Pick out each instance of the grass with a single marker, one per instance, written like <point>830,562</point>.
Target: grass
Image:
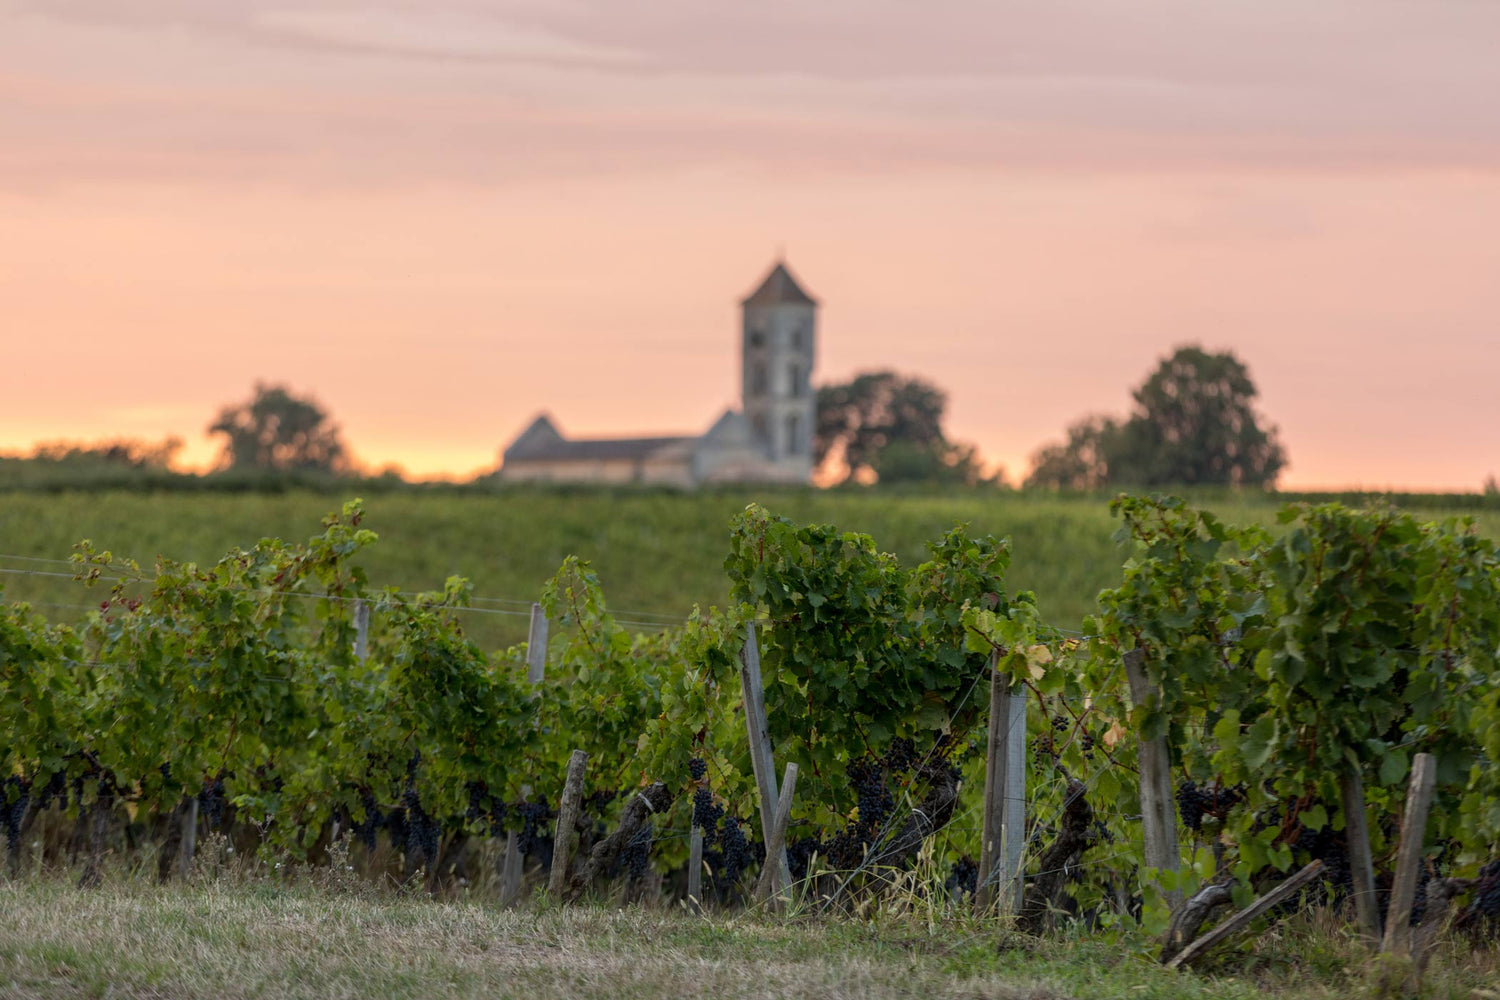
<point>656,552</point>
<point>271,936</point>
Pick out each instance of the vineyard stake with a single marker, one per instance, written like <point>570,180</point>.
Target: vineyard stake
<point>189,836</point>
<point>695,870</point>
<point>361,629</point>
<point>536,646</point>
<point>510,870</point>
<point>1409,854</point>
<point>761,760</point>
<point>776,847</point>
<point>1361,862</point>
<point>1004,818</point>
<point>567,819</point>
<point>1158,807</point>
<point>513,868</point>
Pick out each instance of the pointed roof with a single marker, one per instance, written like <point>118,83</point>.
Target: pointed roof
<point>779,289</point>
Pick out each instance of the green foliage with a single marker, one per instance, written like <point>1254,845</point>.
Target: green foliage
<point>1194,424</point>
<point>280,432</point>
<point>880,425</point>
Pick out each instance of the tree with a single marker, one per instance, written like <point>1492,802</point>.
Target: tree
<point>860,419</point>
<point>280,432</point>
<point>1194,424</point>
<point>1081,462</point>
<point>128,452</point>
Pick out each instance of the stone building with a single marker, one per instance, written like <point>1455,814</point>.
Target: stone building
<point>769,439</point>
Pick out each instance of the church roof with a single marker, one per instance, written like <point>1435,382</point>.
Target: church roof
<point>543,442</point>
<point>779,289</point>
<point>597,449</point>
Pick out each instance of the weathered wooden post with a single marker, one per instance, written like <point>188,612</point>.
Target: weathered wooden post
<point>361,629</point>
<point>1158,806</point>
<point>189,836</point>
<point>536,646</point>
<point>512,870</point>
<point>567,819</point>
<point>1361,862</point>
<point>761,760</point>
<point>773,883</point>
<point>1398,936</point>
<point>695,869</point>
<point>1003,837</point>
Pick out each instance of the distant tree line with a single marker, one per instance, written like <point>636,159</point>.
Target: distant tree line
<point>1193,423</point>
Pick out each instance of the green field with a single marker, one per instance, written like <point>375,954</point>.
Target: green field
<point>657,553</point>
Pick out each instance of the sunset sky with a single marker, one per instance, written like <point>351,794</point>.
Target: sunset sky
<point>440,217</point>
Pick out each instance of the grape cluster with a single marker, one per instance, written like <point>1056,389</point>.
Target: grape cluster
<point>211,800</point>
<point>1195,802</point>
<point>697,768</point>
<point>636,855</point>
<point>423,832</point>
<point>13,801</point>
<point>874,798</point>
<point>799,855</point>
<point>484,808</point>
<point>964,878</point>
<point>366,828</point>
<point>1487,891</point>
<point>534,816</point>
<point>734,851</point>
<point>706,812</point>
<point>56,789</point>
<point>901,756</point>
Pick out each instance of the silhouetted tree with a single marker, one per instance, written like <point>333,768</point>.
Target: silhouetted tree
<point>127,452</point>
<point>279,432</point>
<point>1081,462</point>
<point>1194,424</point>
<point>888,427</point>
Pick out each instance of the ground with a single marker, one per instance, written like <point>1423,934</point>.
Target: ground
<point>269,937</point>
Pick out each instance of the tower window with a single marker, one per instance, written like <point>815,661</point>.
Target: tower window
<point>794,434</point>
<point>757,337</point>
<point>797,339</point>
<point>795,374</point>
<point>758,378</point>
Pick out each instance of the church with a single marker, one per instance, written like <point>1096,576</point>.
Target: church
<point>768,440</point>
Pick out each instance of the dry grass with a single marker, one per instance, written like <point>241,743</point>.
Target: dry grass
<point>262,935</point>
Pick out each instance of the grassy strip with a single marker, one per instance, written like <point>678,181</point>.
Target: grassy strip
<point>263,936</point>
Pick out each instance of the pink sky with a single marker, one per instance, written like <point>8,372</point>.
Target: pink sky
<point>442,216</point>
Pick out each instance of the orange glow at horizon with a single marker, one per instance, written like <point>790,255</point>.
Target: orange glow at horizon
<point>440,222</point>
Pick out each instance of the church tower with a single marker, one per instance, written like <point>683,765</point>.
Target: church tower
<point>778,337</point>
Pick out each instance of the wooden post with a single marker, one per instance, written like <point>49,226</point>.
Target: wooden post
<point>1003,837</point>
<point>536,646</point>
<point>361,629</point>
<point>510,870</point>
<point>695,869</point>
<point>761,760</point>
<point>189,836</point>
<point>513,870</point>
<point>1158,806</point>
<point>1409,854</point>
<point>771,877</point>
<point>567,819</point>
<point>1361,863</point>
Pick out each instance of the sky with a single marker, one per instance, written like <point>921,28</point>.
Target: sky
<point>441,217</point>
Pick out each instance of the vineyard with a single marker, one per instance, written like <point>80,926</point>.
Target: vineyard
<point>1251,721</point>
